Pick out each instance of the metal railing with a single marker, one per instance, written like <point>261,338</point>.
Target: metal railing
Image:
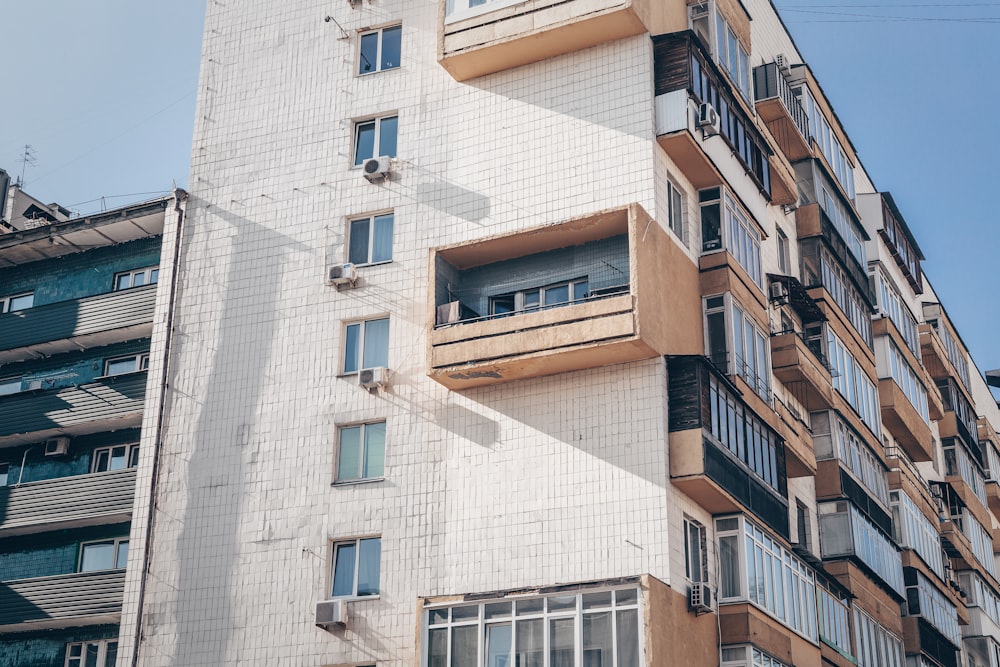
<point>770,83</point>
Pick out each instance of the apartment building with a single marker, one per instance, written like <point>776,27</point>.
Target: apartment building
<point>82,302</point>
<point>553,333</point>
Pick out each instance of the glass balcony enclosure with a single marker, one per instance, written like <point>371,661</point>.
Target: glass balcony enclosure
<point>844,531</point>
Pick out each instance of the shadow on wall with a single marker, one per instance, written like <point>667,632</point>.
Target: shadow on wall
<point>224,435</point>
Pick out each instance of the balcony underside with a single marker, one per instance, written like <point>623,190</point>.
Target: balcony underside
<point>685,151</point>
<point>904,422</point>
<point>62,601</point>
<point>783,129</point>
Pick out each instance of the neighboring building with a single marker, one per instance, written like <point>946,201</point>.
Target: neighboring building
<point>82,310</point>
<point>630,364</point>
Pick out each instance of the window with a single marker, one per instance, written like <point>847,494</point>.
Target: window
<point>741,336</point>
<point>926,601</point>
<point>914,530</point>
<point>103,653</point>
<point>137,278</point>
<point>103,555</point>
<point>695,556</point>
<point>844,531</point>
<point>118,457</point>
<point>459,9</point>
<point>834,619</point>
<point>724,224</point>
<point>10,386</point>
<point>379,50</point>
<point>559,294</point>
<point>803,526</point>
<point>601,627</point>
<point>366,345</point>
<point>732,55</point>
<point>8,304</point>
<point>356,566</point>
<point>370,239</point>
<point>747,656</point>
<point>876,646</point>
<point>784,258</point>
<point>361,452</point>
<point>4,472</point>
<point>852,382</point>
<point>374,138</point>
<point>834,439</point>
<point>827,140</point>
<point>675,210</point>
<point>958,462</point>
<point>130,364</point>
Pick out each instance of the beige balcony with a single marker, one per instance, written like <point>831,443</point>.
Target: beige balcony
<point>801,371</point>
<point>629,292</point>
<point>780,109</point>
<point>746,624</point>
<point>483,40</point>
<point>904,422</point>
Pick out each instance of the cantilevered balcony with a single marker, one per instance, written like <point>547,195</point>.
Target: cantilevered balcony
<point>70,325</point>
<point>781,110</point>
<point>104,405</point>
<point>802,368</point>
<point>66,600</point>
<point>501,34</point>
<point>67,502</point>
<point>904,422</point>
<point>603,289</point>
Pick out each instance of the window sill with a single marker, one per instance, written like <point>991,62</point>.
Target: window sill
<point>368,264</point>
<point>356,482</point>
<point>361,75</point>
<point>355,598</point>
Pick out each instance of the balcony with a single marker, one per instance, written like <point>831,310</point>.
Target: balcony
<point>78,323</point>
<point>802,370</point>
<point>478,41</point>
<point>709,461</point>
<point>884,327</point>
<point>108,404</point>
<point>744,623</point>
<point>904,422</point>
<point>813,222</point>
<point>620,287</point>
<point>779,107</point>
<point>62,601</point>
<point>68,502</point>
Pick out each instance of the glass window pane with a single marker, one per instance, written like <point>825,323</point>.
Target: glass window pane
<point>562,603</point>
<point>554,295</point>
<point>133,459</point>
<point>497,610</point>
<point>500,305</point>
<point>387,136</point>
<point>358,253</point>
<point>465,613</point>
<point>533,606</point>
<point>630,596</point>
<point>597,600</point>
<point>561,640</point>
<point>119,366</point>
<point>343,570</point>
<point>498,645</point>
<point>369,566</point>
<point>351,348</point>
<point>101,464</point>
<point>349,459</point>
<point>90,657</point>
<point>100,556</point>
<point>369,53</point>
<point>382,240</point>
<point>117,458</point>
<point>123,281</point>
<point>464,646</point>
<point>376,349</point>
<point>598,645</point>
<point>364,142</point>
<point>374,450</point>
<point>21,302</point>
<point>139,279</point>
<point>391,46</point>
<point>530,642</point>
<point>628,638</point>
<point>532,299</point>
<point>437,654</point>
<point>122,558</point>
<point>154,277</point>
<point>111,654</point>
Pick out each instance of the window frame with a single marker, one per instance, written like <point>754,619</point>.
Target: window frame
<point>371,218</point>
<point>6,301</point>
<point>461,9</point>
<point>676,209</point>
<point>359,362</point>
<point>377,142</point>
<point>572,285</point>
<point>141,360</point>
<point>19,380</point>
<point>380,31</point>
<point>363,441</point>
<point>102,652</point>
<point>147,272</point>
<point>131,451</point>
<point>116,543</point>
<point>736,350</point>
<point>692,528</point>
<point>4,474</point>
<point>335,545</point>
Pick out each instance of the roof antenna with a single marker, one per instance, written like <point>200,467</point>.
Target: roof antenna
<point>27,159</point>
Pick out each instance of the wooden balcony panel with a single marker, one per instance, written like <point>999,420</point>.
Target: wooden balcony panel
<point>62,601</point>
<point>805,376</point>
<point>904,422</point>
<point>675,630</point>
<point>746,624</point>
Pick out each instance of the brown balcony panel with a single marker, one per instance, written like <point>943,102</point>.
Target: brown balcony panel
<point>801,372</point>
<point>779,122</point>
<point>532,31</point>
<point>904,422</point>
<point>62,601</point>
<point>993,496</point>
<point>687,153</point>
<point>652,318</point>
<point>870,596</point>
<point>675,630</point>
<point>910,558</point>
<point>783,189</point>
<point>746,624</point>
<point>68,502</point>
<point>958,547</point>
<point>800,456</point>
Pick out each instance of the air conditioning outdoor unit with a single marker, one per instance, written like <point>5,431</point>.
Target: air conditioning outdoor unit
<point>708,119</point>
<point>781,60</point>
<point>330,613</point>
<point>342,275</point>
<point>377,169</point>
<point>779,292</point>
<point>57,446</point>
<point>374,378</point>
<point>701,598</point>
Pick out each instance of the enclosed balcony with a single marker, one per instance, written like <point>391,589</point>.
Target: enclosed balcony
<point>488,36</point>
<point>66,600</point>
<point>78,323</point>
<point>844,532</point>
<point>798,361</point>
<point>67,502</point>
<point>781,110</point>
<point>603,289</point>
<point>904,422</point>
<point>959,417</point>
<point>931,621</point>
<point>721,453</point>
<point>108,404</point>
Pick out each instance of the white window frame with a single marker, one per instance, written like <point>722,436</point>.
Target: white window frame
<point>131,450</point>
<point>377,146</point>
<point>141,361</point>
<point>752,656</point>
<point>370,217</point>
<point>146,272</point>
<point>115,541</point>
<point>378,51</point>
<point>102,652</point>
<point>335,545</point>
<point>578,289</point>
<point>6,301</point>
<point>7,385</point>
<point>363,444</point>
<point>736,350</point>
<point>696,559</point>
<point>457,10</point>
<point>675,210</point>
<point>359,362</point>
<point>784,256</point>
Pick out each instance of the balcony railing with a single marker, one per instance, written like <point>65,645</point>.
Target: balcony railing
<point>67,502</point>
<point>66,600</point>
<point>771,85</point>
<point>106,404</point>
<point>69,325</point>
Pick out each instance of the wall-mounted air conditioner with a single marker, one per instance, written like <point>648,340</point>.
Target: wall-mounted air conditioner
<point>373,378</point>
<point>708,119</point>
<point>377,169</point>
<point>779,292</point>
<point>342,275</point>
<point>331,613</point>
<point>57,446</point>
<point>701,598</point>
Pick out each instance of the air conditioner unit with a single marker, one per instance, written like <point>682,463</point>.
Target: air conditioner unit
<point>57,446</point>
<point>701,598</point>
<point>342,275</point>
<point>331,613</point>
<point>779,292</point>
<point>781,60</point>
<point>708,119</point>
<point>374,378</point>
<point>377,169</point>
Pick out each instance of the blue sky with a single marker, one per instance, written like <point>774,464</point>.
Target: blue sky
<point>104,92</point>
